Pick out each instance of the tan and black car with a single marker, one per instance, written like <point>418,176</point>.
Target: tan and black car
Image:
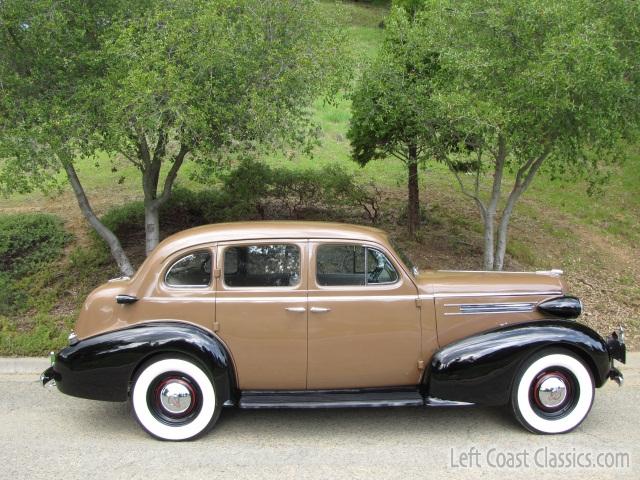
<point>318,315</point>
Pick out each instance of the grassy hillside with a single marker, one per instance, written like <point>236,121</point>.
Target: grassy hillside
<point>594,239</point>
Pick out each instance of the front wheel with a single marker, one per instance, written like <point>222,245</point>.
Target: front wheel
<point>174,399</point>
<point>553,392</point>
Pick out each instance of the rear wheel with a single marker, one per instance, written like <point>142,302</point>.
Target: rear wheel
<point>174,399</point>
<point>553,392</point>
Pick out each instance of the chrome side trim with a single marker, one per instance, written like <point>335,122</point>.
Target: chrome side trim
<point>494,294</point>
<point>479,308</point>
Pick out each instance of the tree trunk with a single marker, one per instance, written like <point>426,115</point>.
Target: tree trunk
<point>413,205</point>
<point>490,217</point>
<point>107,235</point>
<point>151,226</point>
<point>150,179</point>
<point>489,241</point>
<point>524,177</point>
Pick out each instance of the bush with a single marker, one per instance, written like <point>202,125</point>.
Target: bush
<point>256,190</point>
<point>251,190</point>
<point>27,242</point>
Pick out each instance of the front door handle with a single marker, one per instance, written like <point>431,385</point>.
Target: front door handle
<point>296,309</point>
<point>319,309</point>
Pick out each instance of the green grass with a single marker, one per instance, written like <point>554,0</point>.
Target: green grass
<point>615,211</point>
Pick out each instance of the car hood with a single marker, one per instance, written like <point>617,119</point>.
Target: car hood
<point>435,282</point>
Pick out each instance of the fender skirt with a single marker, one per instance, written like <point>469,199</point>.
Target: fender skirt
<point>481,369</point>
<point>102,367</point>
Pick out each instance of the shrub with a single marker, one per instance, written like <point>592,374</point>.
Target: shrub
<point>256,190</point>
<point>27,242</point>
<point>251,190</point>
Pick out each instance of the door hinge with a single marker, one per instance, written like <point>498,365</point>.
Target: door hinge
<point>420,364</point>
<point>418,302</point>
<point>216,326</point>
<point>216,273</point>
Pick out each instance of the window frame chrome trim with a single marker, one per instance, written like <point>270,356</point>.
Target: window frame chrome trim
<point>182,287</point>
<point>366,285</point>
<point>256,288</point>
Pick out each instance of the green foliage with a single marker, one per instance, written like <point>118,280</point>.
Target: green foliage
<point>392,98</point>
<point>253,190</point>
<point>38,337</point>
<point>158,82</point>
<point>256,190</point>
<point>412,7</point>
<point>29,240</point>
<point>548,78</point>
<point>28,243</point>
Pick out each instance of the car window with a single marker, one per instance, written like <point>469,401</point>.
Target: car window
<point>379,268</point>
<point>193,270</point>
<point>340,265</point>
<point>345,265</point>
<point>276,265</point>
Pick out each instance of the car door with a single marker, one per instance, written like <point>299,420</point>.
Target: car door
<point>261,311</point>
<point>364,322</point>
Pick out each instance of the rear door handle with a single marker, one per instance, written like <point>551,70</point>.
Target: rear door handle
<point>319,309</point>
<point>296,309</point>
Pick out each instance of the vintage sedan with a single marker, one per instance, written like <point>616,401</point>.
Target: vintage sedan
<point>317,315</point>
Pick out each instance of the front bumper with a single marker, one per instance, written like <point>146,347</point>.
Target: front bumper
<point>617,351</point>
<point>47,378</point>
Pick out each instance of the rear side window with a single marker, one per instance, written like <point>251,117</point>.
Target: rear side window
<point>193,270</point>
<point>353,265</point>
<point>276,265</point>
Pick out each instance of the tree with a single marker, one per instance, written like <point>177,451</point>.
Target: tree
<point>159,84</point>
<point>389,107</point>
<point>535,85</point>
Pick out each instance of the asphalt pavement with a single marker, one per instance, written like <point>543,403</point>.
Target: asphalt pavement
<point>45,434</point>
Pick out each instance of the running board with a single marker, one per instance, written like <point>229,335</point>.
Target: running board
<point>438,402</point>
<point>331,399</point>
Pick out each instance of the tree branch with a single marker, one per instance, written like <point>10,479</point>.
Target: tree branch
<point>171,176</point>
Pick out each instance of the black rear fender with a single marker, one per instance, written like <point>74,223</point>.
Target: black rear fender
<point>102,367</point>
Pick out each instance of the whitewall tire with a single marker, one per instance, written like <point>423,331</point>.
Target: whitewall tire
<point>553,392</point>
<point>174,399</point>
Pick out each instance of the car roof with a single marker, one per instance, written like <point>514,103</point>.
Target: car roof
<point>259,230</point>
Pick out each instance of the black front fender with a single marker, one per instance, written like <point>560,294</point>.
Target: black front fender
<point>103,366</point>
<point>480,369</point>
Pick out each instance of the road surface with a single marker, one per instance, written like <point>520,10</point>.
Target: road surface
<point>45,434</point>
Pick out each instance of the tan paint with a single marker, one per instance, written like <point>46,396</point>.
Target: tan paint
<point>269,343</point>
<point>370,336</point>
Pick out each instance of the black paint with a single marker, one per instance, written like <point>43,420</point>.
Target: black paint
<point>103,366</point>
<point>480,369</point>
<point>563,307</point>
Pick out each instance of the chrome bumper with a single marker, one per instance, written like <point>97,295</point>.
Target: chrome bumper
<point>617,351</point>
<point>47,377</point>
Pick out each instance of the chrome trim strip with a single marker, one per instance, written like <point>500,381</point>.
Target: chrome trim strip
<point>480,308</point>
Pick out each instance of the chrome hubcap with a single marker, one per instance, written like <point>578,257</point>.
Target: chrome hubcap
<point>552,392</point>
<point>175,397</point>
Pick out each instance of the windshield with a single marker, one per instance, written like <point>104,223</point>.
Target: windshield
<point>404,257</point>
